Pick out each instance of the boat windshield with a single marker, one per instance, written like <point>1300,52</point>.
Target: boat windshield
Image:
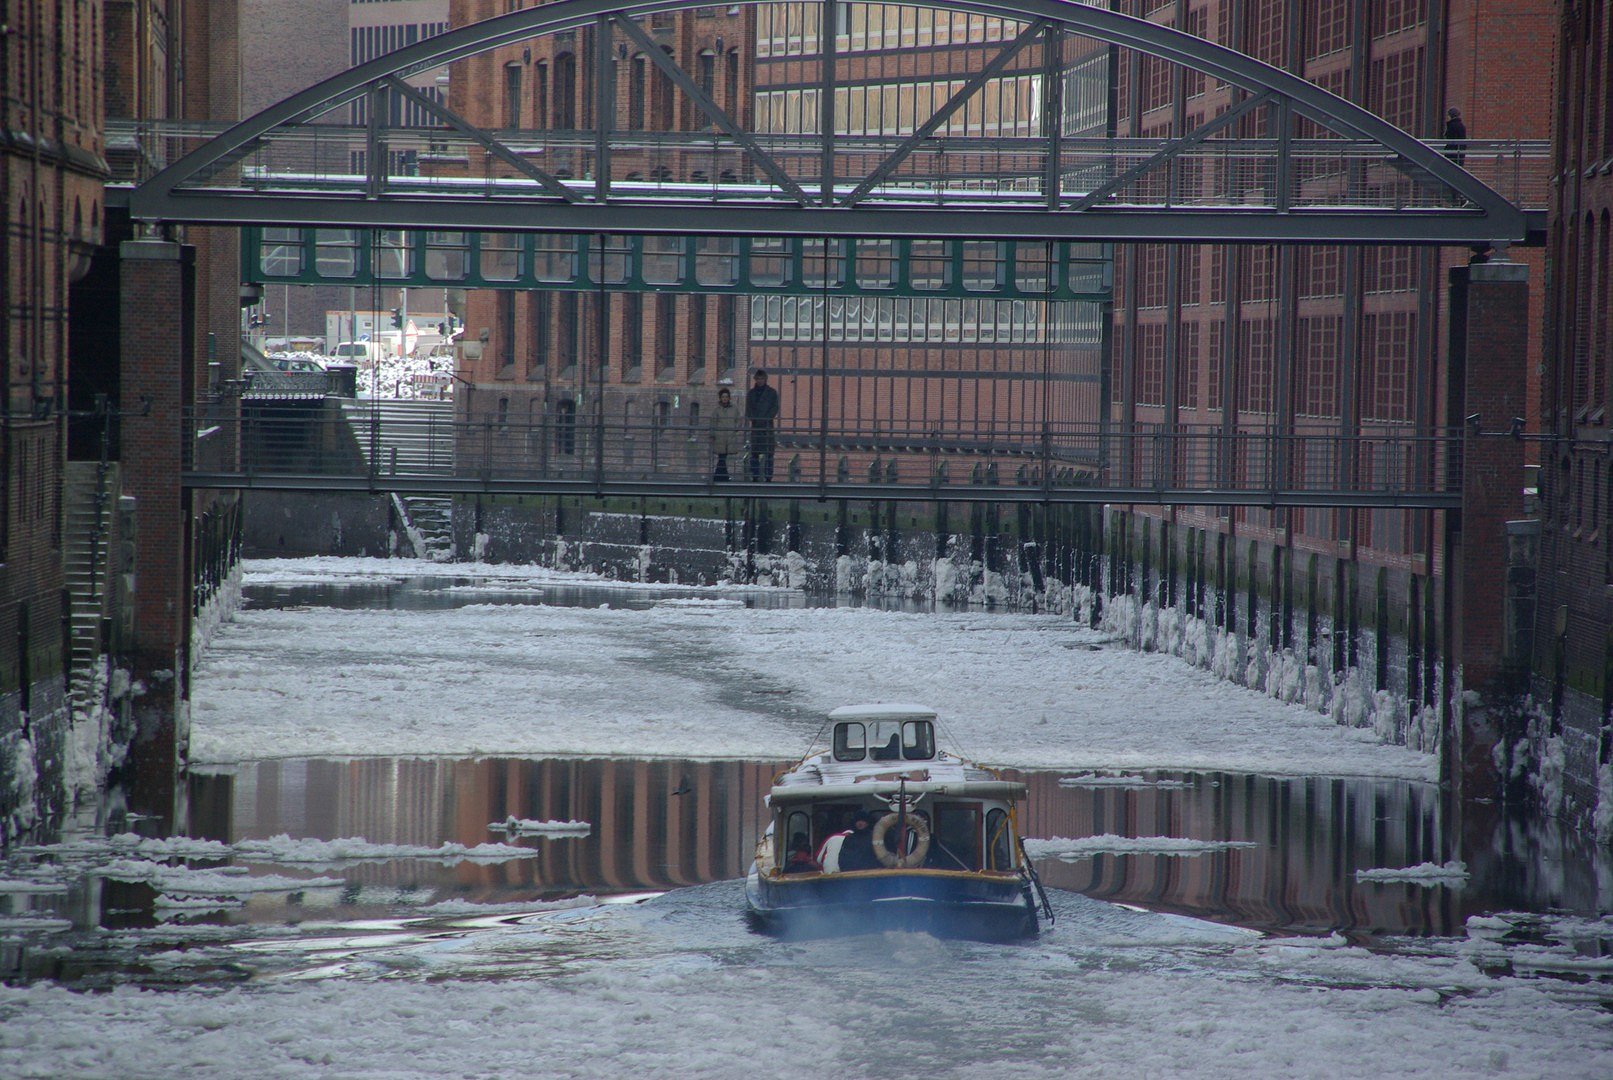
<point>885,740</point>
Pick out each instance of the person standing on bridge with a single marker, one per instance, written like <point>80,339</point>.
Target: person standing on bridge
<point>761,410</point>
<point>724,433</point>
<point>1456,133</point>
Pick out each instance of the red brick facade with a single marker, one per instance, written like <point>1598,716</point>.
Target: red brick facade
<point>51,175</point>
<point>1574,633</point>
<point>539,350</point>
<point>1366,326</point>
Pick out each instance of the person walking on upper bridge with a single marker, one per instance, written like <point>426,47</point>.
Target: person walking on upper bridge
<point>761,410</point>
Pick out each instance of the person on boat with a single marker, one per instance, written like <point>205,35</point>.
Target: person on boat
<point>800,860</point>
<point>857,850</point>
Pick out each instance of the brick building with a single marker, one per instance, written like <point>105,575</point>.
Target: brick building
<point>971,364</point>
<point>52,168</point>
<point>289,45</point>
<point>643,356</point>
<point>1573,657</point>
<point>953,362</point>
<point>89,506</point>
<point>1256,340</point>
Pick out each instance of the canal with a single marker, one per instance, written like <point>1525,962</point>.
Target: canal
<point>1346,903</point>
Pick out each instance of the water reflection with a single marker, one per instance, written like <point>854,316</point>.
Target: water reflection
<point>1310,836</point>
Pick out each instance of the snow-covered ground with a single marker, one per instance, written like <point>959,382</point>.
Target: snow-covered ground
<point>677,984</point>
<point>722,680</point>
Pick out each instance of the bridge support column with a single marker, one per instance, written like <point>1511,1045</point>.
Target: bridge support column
<point>1489,329</point>
<point>157,310</point>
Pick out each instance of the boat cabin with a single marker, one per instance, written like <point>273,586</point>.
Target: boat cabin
<point>884,739</point>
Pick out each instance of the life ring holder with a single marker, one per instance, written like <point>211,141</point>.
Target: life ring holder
<point>915,825</point>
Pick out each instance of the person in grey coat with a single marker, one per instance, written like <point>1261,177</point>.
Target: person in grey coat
<point>725,433</point>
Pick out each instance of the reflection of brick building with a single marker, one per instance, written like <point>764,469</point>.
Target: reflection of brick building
<point>534,353</point>
<point>1573,657</point>
<point>1264,339</point>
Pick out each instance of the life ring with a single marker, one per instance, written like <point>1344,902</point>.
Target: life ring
<point>917,826</point>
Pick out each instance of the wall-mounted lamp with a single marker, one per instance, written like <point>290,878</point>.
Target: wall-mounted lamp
<point>719,43</point>
<point>1517,427</point>
<point>1474,422</point>
<point>526,56</point>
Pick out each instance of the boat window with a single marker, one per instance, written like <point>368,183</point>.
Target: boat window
<point>886,744</point>
<point>999,845</point>
<point>797,824</point>
<point>851,742</point>
<point>918,740</point>
<point>956,843</point>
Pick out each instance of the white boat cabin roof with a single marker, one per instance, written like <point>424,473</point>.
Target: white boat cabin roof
<point>883,746</point>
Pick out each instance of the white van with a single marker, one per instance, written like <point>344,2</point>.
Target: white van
<point>361,353</point>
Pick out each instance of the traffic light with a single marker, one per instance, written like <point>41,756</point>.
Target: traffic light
<point>397,318</point>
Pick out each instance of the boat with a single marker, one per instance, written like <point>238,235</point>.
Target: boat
<point>882,830</point>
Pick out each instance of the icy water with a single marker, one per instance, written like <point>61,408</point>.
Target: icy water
<point>644,884</point>
<point>664,847</point>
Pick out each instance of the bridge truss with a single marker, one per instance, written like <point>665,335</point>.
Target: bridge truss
<point>1287,162</point>
<point>333,186</point>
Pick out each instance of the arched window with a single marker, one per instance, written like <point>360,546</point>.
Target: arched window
<point>636,84</point>
<point>665,98</point>
<point>565,430</point>
<point>565,92</point>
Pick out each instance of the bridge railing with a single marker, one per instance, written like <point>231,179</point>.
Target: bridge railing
<point>963,171</point>
<point>1390,466</point>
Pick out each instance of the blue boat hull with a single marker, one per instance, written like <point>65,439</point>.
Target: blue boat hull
<point>985,907</point>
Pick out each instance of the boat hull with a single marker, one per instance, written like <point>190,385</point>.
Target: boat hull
<point>988,907</point>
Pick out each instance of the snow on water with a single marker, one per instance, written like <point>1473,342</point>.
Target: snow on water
<point>1426,874</point>
<point>528,827</point>
<point>1106,780</point>
<point>677,985</point>
<point>720,681</point>
<point>1063,847</point>
<point>285,849</point>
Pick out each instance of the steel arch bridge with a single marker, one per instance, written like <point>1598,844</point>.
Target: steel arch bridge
<point>1285,162</point>
<point>1353,178</point>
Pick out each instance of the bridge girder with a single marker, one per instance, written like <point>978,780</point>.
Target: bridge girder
<point>1473,212</point>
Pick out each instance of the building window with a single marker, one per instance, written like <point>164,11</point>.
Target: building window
<point>565,91</point>
<point>666,340</point>
<point>697,337</point>
<point>632,335</point>
<point>567,334</point>
<point>540,94</point>
<point>1188,362</point>
<point>706,73</point>
<point>665,98</point>
<point>1151,364</point>
<point>505,307</point>
<point>542,315</point>
<point>636,83</point>
<point>727,329</point>
<point>1317,393</point>
<point>512,95</point>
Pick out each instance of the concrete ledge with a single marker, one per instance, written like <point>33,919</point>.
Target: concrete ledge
<point>1498,272</point>
<point>149,250</point>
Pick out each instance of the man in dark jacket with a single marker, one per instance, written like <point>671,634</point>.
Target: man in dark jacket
<point>761,409</point>
<point>857,851</point>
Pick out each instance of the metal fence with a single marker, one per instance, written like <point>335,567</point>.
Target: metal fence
<point>402,446</point>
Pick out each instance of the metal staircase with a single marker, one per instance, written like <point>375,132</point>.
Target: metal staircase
<point>90,511</point>
<point>428,520</point>
<point>403,436</point>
